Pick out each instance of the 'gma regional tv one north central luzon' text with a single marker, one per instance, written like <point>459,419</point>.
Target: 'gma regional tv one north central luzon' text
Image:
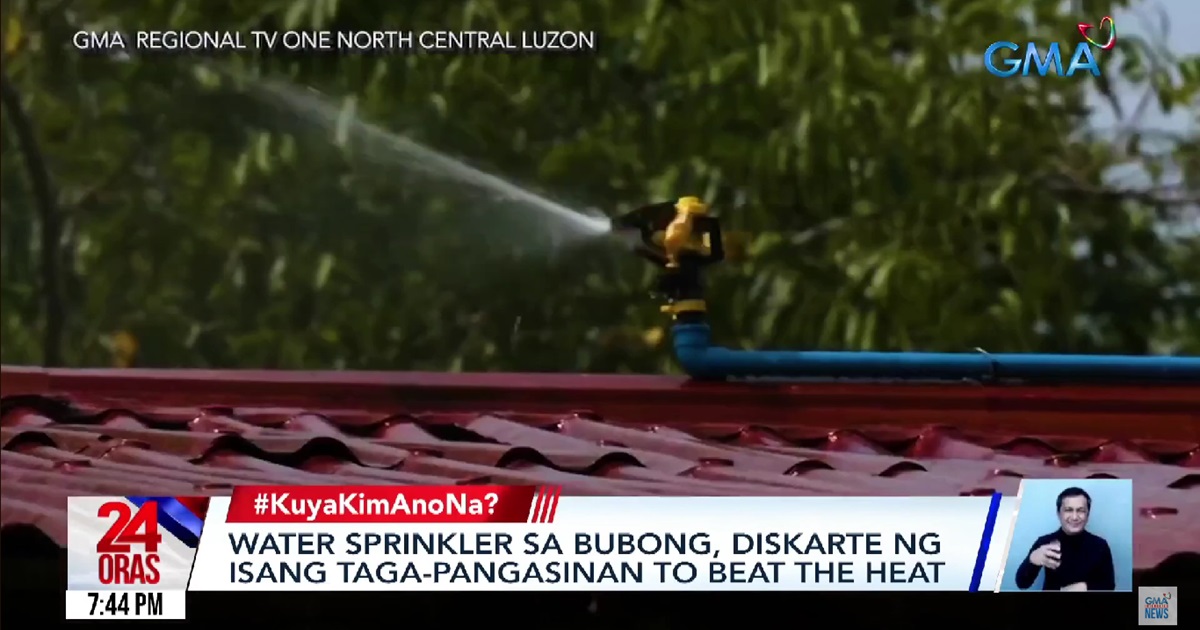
<point>337,41</point>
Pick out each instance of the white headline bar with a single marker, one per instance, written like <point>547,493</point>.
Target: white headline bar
<point>628,544</point>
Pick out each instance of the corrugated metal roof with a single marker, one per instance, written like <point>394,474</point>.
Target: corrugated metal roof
<point>136,432</point>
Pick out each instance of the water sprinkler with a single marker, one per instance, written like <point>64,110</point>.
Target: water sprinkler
<point>681,239</point>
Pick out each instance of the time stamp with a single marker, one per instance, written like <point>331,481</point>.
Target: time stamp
<point>125,604</point>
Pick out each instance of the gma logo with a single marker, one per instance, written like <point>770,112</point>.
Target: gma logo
<point>1005,64</point>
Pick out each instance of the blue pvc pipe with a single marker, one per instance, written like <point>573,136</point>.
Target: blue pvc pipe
<point>697,356</point>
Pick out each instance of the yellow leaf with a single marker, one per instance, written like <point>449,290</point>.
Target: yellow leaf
<point>124,348</point>
<point>653,336</point>
<point>737,246</point>
<point>12,35</point>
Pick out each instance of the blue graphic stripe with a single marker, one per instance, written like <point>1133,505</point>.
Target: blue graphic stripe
<point>988,527</point>
<point>175,518</point>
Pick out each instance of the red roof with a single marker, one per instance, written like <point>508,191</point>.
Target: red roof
<point>133,432</point>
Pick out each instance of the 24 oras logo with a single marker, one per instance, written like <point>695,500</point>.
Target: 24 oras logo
<point>119,563</point>
<point>1082,59</point>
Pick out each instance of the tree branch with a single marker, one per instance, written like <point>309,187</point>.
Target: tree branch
<point>1170,196</point>
<point>47,209</point>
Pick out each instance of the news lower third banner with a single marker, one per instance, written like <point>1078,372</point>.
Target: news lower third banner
<point>135,557</point>
<point>532,538</point>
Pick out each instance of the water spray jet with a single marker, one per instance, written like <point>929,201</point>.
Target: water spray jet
<point>375,143</point>
<point>683,240</point>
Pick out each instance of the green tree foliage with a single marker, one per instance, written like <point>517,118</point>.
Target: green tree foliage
<point>212,212</point>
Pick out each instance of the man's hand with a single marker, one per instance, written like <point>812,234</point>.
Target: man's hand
<point>1078,586</point>
<point>1047,555</point>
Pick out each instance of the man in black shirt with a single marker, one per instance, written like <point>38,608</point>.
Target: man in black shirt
<point>1074,558</point>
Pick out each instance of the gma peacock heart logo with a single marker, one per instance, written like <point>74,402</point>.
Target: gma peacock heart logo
<point>1087,30</point>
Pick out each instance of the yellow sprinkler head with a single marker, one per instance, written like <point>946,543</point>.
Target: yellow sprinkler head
<point>691,205</point>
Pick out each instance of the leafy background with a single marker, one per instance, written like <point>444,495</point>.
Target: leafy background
<point>187,212</point>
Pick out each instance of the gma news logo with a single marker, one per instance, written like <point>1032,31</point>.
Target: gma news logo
<point>1005,64</point>
<point>1156,606</point>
